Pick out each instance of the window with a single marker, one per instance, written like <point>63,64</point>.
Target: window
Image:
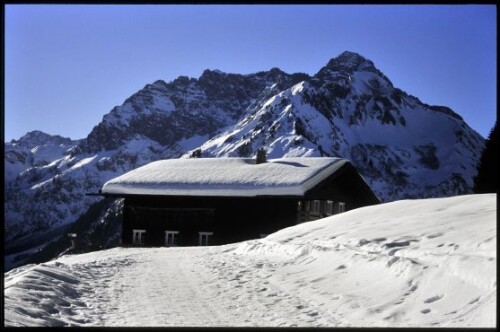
<point>339,207</point>
<point>171,238</point>
<point>329,208</point>
<point>138,236</point>
<point>316,206</point>
<point>205,238</point>
<point>302,211</point>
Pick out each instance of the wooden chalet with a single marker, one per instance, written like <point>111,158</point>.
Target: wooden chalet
<point>212,201</point>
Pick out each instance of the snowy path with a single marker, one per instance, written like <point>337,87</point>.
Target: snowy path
<point>135,287</point>
<point>404,264</point>
<point>192,287</point>
<point>168,293</point>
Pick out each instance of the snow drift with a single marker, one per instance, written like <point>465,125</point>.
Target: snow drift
<point>429,262</point>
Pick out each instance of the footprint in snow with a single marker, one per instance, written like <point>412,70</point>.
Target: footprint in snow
<point>362,242</point>
<point>393,251</point>
<point>475,300</point>
<point>379,239</point>
<point>392,261</point>
<point>432,236</point>
<point>433,299</point>
<point>425,311</point>
<point>397,244</point>
<point>322,278</point>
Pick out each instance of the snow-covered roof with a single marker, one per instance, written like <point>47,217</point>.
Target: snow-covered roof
<point>237,177</point>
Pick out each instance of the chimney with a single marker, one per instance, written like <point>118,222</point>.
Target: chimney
<point>261,156</point>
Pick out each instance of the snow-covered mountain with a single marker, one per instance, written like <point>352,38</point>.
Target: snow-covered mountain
<point>35,149</point>
<point>349,109</point>
<point>410,263</point>
<point>401,146</point>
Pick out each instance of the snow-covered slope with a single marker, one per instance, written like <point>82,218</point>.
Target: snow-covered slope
<point>410,263</point>
<point>402,147</point>
<point>35,149</point>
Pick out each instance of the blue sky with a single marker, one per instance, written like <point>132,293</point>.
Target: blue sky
<point>66,66</point>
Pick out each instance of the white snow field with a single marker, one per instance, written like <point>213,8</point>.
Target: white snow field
<point>410,263</point>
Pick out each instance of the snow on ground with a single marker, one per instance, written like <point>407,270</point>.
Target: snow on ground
<point>408,263</point>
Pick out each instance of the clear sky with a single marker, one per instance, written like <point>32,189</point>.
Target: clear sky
<point>66,66</point>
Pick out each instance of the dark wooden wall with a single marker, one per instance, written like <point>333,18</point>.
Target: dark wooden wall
<point>345,185</point>
<point>234,219</point>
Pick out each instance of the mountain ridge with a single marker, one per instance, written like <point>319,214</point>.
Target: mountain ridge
<point>402,147</point>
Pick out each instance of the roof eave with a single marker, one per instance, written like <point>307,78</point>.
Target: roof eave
<point>131,195</point>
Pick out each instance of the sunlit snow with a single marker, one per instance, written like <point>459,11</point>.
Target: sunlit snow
<point>412,263</point>
<point>240,177</point>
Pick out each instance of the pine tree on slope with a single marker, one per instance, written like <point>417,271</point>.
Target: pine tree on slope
<point>486,180</point>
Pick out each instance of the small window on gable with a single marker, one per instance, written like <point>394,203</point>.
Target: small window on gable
<point>138,236</point>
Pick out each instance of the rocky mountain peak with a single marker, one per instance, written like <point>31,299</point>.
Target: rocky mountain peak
<point>182,80</point>
<point>160,84</point>
<point>276,70</point>
<point>37,138</point>
<point>349,62</point>
<point>348,56</point>
<point>215,74</point>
